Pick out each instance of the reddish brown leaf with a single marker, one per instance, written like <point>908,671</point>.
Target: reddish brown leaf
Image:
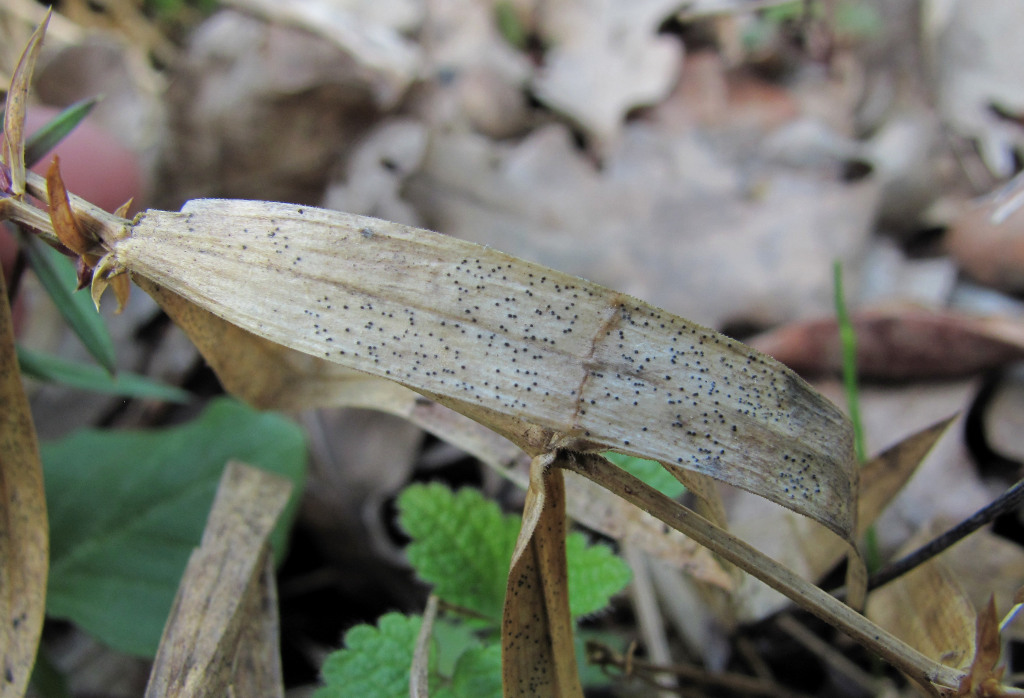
<point>902,343</point>
<point>65,223</point>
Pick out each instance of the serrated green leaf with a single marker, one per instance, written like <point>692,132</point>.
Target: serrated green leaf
<point>651,472</point>
<point>595,575</point>
<point>452,637</point>
<point>478,673</point>
<point>44,367</point>
<point>127,508</point>
<point>53,132</point>
<point>375,660</point>
<point>462,545</point>
<point>57,275</point>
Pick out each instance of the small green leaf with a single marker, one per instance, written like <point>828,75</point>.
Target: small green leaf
<point>57,275</point>
<point>43,141</point>
<point>127,507</point>
<point>44,367</point>
<point>375,660</point>
<point>462,544</point>
<point>651,472</point>
<point>595,575</point>
<point>477,674</point>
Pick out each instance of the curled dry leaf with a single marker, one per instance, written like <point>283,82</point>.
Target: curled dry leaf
<point>546,359</point>
<point>24,546</point>
<point>221,607</point>
<point>900,343</point>
<point>13,139</point>
<point>272,376</point>
<point>927,609</point>
<point>987,239</point>
<point>811,550</point>
<point>538,655</point>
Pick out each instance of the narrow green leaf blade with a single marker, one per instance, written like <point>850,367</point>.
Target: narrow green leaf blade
<point>127,508</point>
<point>375,660</point>
<point>57,275</point>
<point>651,472</point>
<point>52,369</point>
<point>53,132</point>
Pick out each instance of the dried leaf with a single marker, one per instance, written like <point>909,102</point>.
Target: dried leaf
<point>927,609</point>
<point>271,376</point>
<point>204,649</point>
<point>14,110</point>
<point>65,223</point>
<point>808,548</point>
<point>546,359</point>
<point>900,343</point>
<point>605,59</point>
<point>986,238</point>
<point>538,655</point>
<point>766,569</point>
<point>24,547</point>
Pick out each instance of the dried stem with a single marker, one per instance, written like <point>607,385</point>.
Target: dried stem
<point>781,578</point>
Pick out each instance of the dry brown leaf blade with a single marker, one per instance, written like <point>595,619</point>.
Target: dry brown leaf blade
<point>929,610</point>
<point>24,531</point>
<point>201,651</point>
<point>547,359</point>
<point>14,111</point>
<point>538,655</point>
<point>65,223</point>
<point>901,655</point>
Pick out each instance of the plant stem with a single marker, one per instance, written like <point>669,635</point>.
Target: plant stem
<point>772,573</point>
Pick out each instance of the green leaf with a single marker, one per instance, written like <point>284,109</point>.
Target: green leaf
<point>477,674</point>
<point>651,472</point>
<point>462,545</point>
<point>44,367</point>
<point>43,141</point>
<point>57,275</point>
<point>127,507</point>
<point>375,660</point>
<point>595,574</point>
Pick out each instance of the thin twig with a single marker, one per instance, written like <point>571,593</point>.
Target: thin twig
<point>1008,501</point>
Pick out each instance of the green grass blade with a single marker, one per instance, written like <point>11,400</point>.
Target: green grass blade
<point>51,369</point>
<point>848,343</point>
<point>57,275</point>
<point>42,141</point>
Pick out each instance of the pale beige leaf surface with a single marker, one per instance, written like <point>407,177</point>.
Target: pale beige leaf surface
<point>606,58</point>
<point>928,609</point>
<point>222,631</point>
<point>24,542</point>
<point>809,549</point>
<point>547,359</point>
<point>272,376</point>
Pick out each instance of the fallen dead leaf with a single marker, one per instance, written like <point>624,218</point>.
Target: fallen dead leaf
<point>24,545</point>
<point>605,58</point>
<point>987,238</point>
<point>221,635</point>
<point>538,655</point>
<point>900,343</point>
